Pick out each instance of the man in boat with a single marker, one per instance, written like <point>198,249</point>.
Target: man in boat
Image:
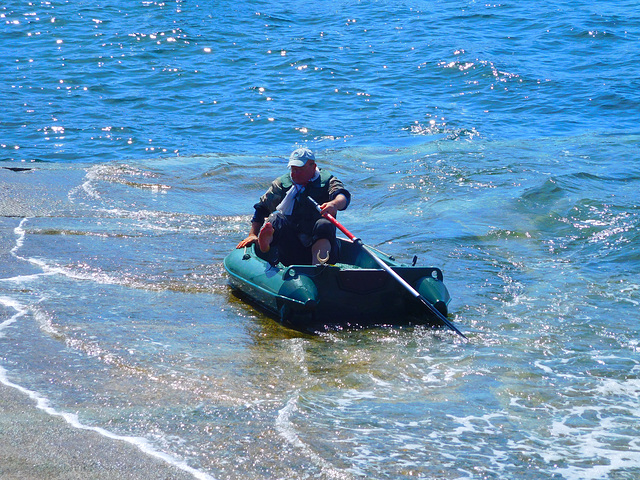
<point>295,233</point>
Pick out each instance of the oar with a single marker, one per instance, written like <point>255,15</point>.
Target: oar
<point>388,269</point>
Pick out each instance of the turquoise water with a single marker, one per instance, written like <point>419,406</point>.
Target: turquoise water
<point>497,141</point>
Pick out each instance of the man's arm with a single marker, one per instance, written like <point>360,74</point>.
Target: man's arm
<point>339,203</point>
<point>263,208</point>
<point>252,237</point>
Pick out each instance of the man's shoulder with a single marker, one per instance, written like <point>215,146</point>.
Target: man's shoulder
<point>324,178</point>
<point>325,175</point>
<point>284,181</point>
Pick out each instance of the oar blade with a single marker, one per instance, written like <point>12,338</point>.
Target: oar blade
<point>440,316</point>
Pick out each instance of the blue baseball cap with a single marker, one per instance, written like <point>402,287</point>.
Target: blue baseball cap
<point>300,157</point>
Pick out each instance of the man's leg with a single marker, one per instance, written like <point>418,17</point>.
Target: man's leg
<point>265,237</point>
<point>324,248</point>
<point>320,251</point>
<point>280,239</point>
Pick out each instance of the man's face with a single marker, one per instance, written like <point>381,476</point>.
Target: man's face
<point>302,175</point>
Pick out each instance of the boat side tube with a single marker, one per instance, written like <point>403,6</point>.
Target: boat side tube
<point>432,288</point>
<point>428,282</point>
<point>298,287</point>
<point>281,290</point>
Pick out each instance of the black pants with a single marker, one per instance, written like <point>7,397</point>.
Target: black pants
<point>292,247</point>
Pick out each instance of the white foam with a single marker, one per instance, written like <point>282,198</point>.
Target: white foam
<point>97,277</point>
<point>85,187</point>
<point>19,231</point>
<point>23,278</point>
<point>47,269</point>
<point>476,424</point>
<point>542,367</point>
<point>594,443</point>
<point>19,308</point>
<point>629,388</point>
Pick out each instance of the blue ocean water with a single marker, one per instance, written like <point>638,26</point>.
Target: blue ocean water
<point>497,141</point>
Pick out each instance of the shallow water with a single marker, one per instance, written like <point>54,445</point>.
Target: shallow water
<point>497,142</point>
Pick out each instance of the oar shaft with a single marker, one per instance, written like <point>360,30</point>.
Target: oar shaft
<point>389,270</point>
<point>414,292</point>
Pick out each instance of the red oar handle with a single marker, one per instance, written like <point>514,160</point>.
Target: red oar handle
<point>332,219</point>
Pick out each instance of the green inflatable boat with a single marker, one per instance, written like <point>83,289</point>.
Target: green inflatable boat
<point>358,291</point>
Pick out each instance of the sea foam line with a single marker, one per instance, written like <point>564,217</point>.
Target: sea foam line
<point>19,231</point>
<point>44,404</point>
<point>56,270</point>
<point>19,308</point>
<point>46,270</point>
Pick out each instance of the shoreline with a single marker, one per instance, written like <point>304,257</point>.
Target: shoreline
<point>38,442</point>
<point>35,444</point>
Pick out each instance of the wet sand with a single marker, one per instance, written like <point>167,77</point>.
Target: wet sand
<point>35,445</point>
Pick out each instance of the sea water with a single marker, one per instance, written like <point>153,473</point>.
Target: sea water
<point>496,141</point>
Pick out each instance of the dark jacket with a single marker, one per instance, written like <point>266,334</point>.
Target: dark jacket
<point>323,189</point>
